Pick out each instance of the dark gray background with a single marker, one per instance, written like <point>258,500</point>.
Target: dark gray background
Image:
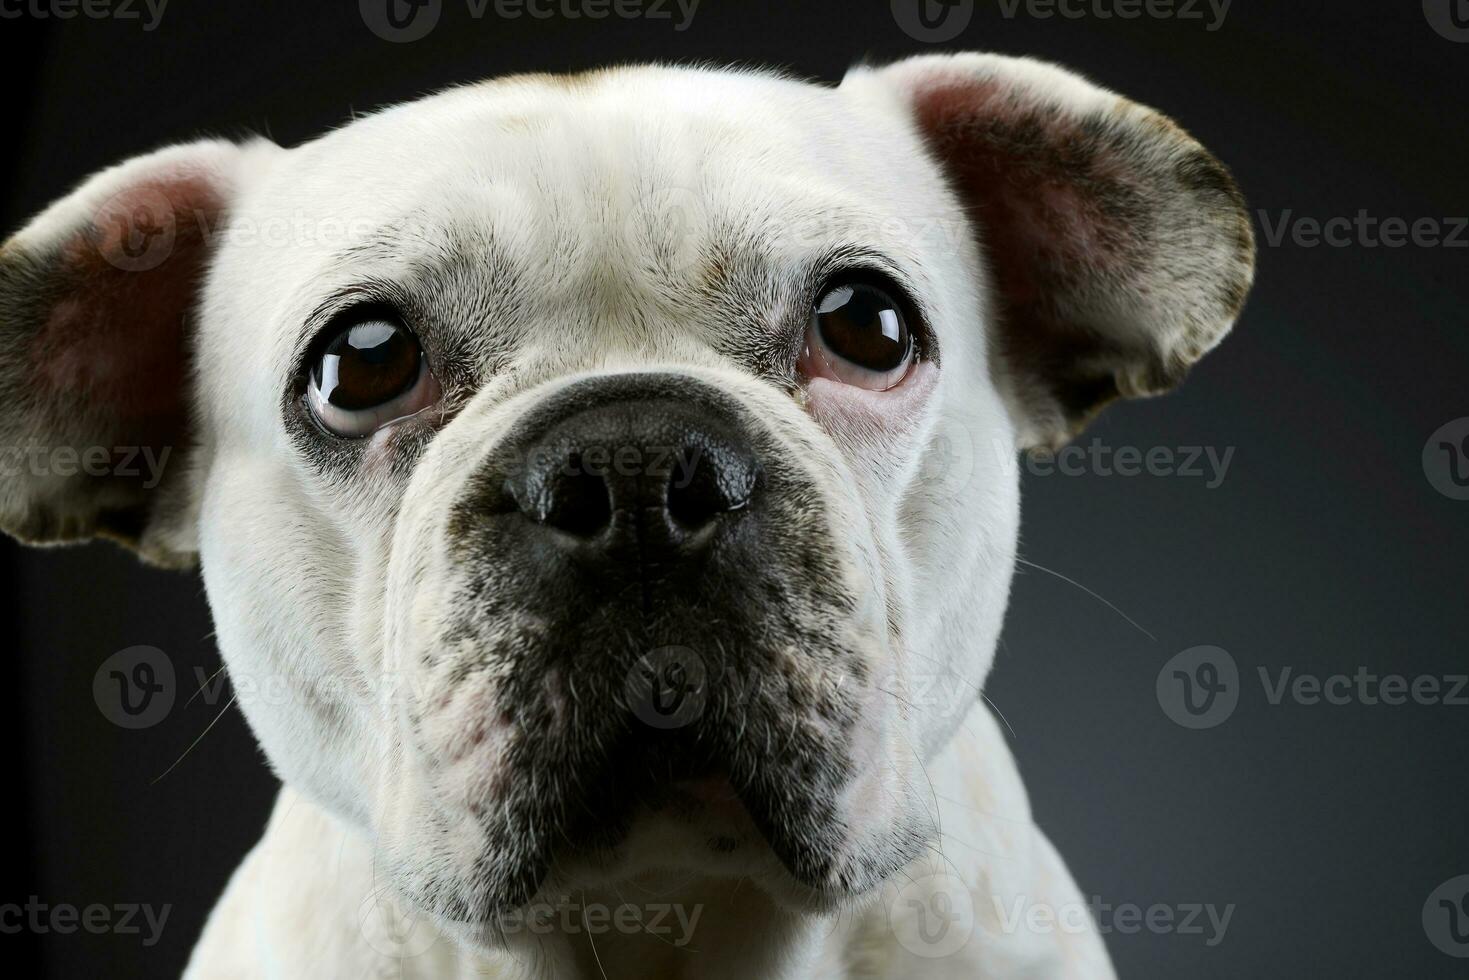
<point>1325,549</point>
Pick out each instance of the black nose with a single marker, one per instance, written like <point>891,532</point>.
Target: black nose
<point>645,479</point>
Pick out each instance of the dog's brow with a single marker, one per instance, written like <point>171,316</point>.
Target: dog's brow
<point>414,263</point>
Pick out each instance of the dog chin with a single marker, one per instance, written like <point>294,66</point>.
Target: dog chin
<point>694,833</point>
<point>712,835</point>
<point>663,859</point>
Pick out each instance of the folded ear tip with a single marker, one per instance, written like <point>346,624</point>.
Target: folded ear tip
<point>1119,249</point>
<point>95,294</point>
<point>1023,78</point>
<point>196,177</point>
<point>46,523</point>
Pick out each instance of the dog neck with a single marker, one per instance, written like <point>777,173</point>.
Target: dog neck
<point>684,928</point>
<point>311,882</point>
<point>310,894</point>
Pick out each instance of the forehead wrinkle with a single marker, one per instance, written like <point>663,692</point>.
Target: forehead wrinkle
<point>581,179</point>
<point>460,281</point>
<point>608,187</point>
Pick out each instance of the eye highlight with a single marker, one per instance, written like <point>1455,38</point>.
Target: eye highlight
<point>860,334</point>
<point>370,372</point>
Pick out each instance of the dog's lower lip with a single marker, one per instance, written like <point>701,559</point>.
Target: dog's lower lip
<point>715,796</point>
<point>713,790</point>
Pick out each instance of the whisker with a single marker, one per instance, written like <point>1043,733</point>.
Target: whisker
<point>196,741</point>
<point>1000,714</point>
<point>590,941</point>
<point>204,686</point>
<point>1071,581</point>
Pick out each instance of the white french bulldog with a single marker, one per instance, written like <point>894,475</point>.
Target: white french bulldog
<point>596,486</point>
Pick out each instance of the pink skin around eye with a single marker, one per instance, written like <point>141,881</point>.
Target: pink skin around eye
<point>844,407</point>
<point>421,404</point>
<point>382,445</point>
<point>818,361</point>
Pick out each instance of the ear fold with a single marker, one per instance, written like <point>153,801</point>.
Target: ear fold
<point>1119,248</point>
<point>97,296</point>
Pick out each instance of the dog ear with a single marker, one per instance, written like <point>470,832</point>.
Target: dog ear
<point>1119,249</point>
<point>97,298</point>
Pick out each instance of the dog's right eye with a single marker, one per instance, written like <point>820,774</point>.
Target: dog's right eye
<point>367,375</point>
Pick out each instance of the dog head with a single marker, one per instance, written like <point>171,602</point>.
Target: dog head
<point>587,473</point>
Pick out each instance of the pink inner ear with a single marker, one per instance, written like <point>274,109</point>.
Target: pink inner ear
<point>1046,188</point>
<point>125,285</point>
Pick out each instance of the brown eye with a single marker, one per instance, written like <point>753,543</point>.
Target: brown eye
<point>369,374</point>
<point>860,336</point>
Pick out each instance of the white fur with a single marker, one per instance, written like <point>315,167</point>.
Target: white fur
<point>564,196</point>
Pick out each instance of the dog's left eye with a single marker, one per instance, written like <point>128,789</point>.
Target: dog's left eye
<point>367,375</point>
<point>859,334</point>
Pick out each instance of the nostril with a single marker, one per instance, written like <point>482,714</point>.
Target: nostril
<point>707,487</point>
<point>580,502</point>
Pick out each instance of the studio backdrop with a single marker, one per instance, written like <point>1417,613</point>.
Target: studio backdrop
<point>1233,665</point>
